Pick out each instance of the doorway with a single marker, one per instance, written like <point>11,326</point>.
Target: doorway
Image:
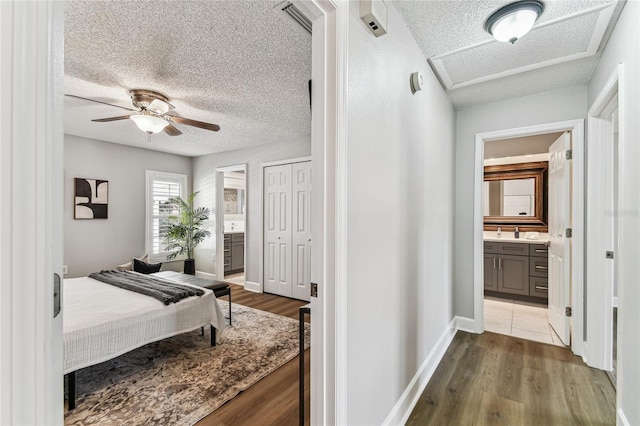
<point>575,297</point>
<point>515,200</point>
<point>231,208</point>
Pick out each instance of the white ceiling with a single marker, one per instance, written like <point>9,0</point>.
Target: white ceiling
<point>240,64</point>
<point>560,51</point>
<point>245,66</point>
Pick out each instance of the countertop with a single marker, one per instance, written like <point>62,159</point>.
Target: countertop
<point>507,237</point>
<point>235,232</point>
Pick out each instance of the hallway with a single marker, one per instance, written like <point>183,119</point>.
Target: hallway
<point>496,379</point>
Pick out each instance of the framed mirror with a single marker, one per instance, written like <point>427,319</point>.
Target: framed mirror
<point>516,195</point>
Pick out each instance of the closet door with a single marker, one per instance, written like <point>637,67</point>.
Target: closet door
<point>301,232</point>
<point>277,230</point>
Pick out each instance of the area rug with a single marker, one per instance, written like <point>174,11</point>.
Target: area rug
<point>182,379</point>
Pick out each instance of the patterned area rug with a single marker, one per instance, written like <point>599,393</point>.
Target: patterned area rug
<point>182,379</point>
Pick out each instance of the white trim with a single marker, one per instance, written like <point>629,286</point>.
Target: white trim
<point>32,193</point>
<point>404,406</point>
<point>622,419</point>
<point>252,286</point>
<point>577,264</point>
<point>465,324</point>
<point>600,300</point>
<point>615,301</point>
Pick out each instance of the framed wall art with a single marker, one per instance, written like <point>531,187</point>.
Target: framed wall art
<point>91,198</point>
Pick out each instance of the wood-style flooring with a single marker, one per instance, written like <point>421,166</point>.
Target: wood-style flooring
<point>493,379</point>
<point>274,399</point>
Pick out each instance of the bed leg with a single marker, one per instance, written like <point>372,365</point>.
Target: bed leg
<point>229,306</point>
<point>71,390</point>
<point>202,331</point>
<point>213,335</point>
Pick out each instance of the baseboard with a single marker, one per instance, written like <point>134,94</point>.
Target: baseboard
<point>465,324</point>
<point>206,275</point>
<point>403,408</point>
<point>622,419</point>
<point>615,301</point>
<point>251,286</point>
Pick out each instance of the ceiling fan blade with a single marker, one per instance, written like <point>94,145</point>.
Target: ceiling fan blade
<point>172,131</point>
<point>105,120</point>
<point>194,123</point>
<point>160,107</point>
<point>100,102</point>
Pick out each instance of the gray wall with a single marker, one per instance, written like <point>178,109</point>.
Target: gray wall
<point>548,107</point>
<point>623,48</point>
<point>204,180</point>
<point>399,246</point>
<point>92,245</point>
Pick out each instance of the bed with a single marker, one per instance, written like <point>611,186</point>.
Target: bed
<point>102,321</point>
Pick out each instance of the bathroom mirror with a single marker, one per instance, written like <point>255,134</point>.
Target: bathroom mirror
<point>516,195</point>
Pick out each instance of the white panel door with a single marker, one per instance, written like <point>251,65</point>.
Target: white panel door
<point>277,230</point>
<point>559,245</point>
<point>301,231</point>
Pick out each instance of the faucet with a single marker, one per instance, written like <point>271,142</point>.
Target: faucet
<point>499,232</point>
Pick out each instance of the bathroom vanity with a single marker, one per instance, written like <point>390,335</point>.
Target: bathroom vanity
<point>516,268</point>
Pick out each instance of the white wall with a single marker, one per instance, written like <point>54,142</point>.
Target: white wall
<point>204,180</point>
<point>548,107</point>
<point>623,48</point>
<point>92,245</point>
<point>400,217</point>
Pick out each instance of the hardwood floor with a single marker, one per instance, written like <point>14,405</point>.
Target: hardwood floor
<point>497,379</point>
<point>274,399</point>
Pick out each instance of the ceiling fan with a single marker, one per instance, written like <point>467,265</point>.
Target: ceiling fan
<point>152,113</point>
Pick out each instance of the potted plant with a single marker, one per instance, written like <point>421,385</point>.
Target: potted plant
<point>184,231</point>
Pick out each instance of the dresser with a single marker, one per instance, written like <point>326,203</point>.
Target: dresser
<point>517,270</point>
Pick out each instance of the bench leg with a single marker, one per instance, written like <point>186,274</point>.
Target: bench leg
<point>213,336</point>
<point>71,390</point>
<point>229,306</point>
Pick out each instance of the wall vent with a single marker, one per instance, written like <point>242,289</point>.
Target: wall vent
<point>294,13</point>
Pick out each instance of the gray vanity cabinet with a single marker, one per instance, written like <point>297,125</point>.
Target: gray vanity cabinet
<point>515,269</point>
<point>490,266</point>
<point>233,253</point>
<point>513,274</point>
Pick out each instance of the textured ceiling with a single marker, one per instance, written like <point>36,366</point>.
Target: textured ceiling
<point>560,51</point>
<point>240,64</point>
<point>245,66</point>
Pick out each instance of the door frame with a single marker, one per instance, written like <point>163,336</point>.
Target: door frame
<point>599,296</point>
<point>33,199</point>
<point>219,232</point>
<point>260,285</point>
<point>576,127</point>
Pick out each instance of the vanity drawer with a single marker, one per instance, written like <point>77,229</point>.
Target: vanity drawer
<point>538,250</point>
<point>237,238</point>
<point>539,267</point>
<point>227,238</point>
<point>518,249</point>
<point>538,286</point>
<point>490,247</point>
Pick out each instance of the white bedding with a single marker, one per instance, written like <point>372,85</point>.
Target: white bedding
<point>101,321</point>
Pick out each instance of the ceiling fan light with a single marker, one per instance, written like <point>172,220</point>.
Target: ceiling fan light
<point>514,20</point>
<point>149,123</point>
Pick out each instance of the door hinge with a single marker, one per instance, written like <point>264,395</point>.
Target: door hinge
<point>568,233</point>
<point>609,255</point>
<point>569,154</point>
<point>568,311</point>
<point>314,290</point>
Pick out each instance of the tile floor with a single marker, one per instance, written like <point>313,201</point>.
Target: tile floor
<point>235,278</point>
<point>519,319</point>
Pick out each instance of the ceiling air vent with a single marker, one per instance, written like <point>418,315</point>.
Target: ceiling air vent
<point>295,14</point>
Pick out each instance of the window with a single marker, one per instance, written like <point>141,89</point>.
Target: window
<point>160,187</point>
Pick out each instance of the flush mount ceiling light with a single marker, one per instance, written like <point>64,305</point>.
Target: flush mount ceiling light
<point>511,22</point>
<point>148,122</point>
